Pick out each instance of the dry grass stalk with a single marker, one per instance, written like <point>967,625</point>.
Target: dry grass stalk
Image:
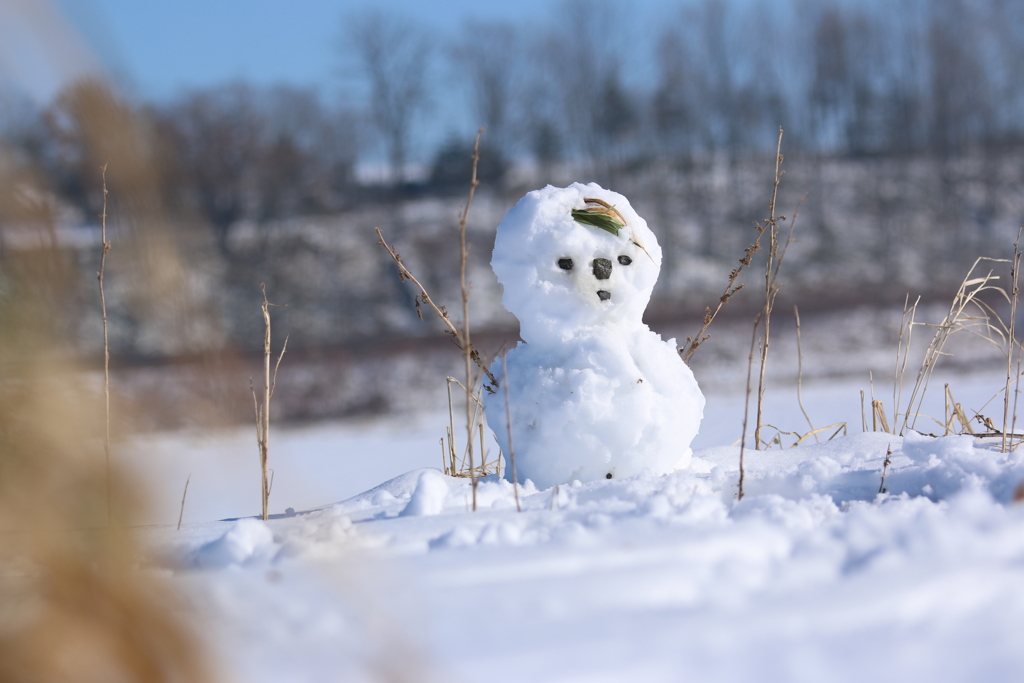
<point>459,466</point>
<point>453,465</point>
<point>947,417</point>
<point>800,376</point>
<point>956,411</point>
<point>452,470</point>
<point>693,343</point>
<point>104,250</point>
<point>508,425</point>
<point>776,254</point>
<point>839,427</point>
<point>263,410</point>
<point>1011,347</point>
<point>863,415</point>
<point>467,346</point>
<point>968,312</point>
<point>885,468</point>
<point>474,416</point>
<point>903,349</point>
<point>878,418</point>
<point>181,512</point>
<point>74,603</point>
<point>424,298</point>
<point>746,402</point>
<point>483,452</point>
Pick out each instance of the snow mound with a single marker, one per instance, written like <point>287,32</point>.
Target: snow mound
<point>247,541</point>
<point>850,468</point>
<point>387,495</point>
<point>653,577</point>
<point>429,496</point>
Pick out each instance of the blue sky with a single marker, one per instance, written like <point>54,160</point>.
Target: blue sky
<point>161,47</point>
<point>154,50</point>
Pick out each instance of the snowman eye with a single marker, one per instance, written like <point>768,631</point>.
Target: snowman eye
<point>625,260</point>
<point>565,263</point>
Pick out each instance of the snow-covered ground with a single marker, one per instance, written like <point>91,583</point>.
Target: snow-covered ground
<point>813,576</point>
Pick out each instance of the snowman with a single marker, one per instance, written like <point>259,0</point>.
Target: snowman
<point>593,393</point>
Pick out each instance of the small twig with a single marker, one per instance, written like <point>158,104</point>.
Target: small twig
<point>800,375</point>
<point>770,287</point>
<point>106,344</point>
<point>901,369</point>
<point>878,418</point>
<point>1014,294</point>
<point>467,348</point>
<point>957,412</point>
<point>423,297</point>
<point>885,468</point>
<point>730,288</point>
<point>181,512</point>
<point>958,318</point>
<point>273,382</point>
<point>948,418</point>
<point>863,416</point>
<point>483,450</point>
<point>839,426</point>
<point>746,403</point>
<point>451,427</point>
<point>263,411</point>
<point>508,424</point>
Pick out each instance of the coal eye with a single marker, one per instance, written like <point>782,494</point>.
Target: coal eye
<point>625,260</point>
<point>565,263</point>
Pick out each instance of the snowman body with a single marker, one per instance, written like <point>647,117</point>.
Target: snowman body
<point>593,392</point>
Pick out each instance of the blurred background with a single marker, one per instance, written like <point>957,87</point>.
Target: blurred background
<point>264,142</point>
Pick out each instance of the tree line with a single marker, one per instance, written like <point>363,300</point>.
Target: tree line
<point>589,86</point>
<point>584,87</point>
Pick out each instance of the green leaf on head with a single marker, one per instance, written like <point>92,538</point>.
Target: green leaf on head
<point>600,214</point>
<point>598,220</point>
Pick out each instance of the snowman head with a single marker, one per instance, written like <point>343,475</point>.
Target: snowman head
<point>574,257</point>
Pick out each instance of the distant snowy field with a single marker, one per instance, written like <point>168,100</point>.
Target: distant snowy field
<point>325,463</point>
<point>814,576</point>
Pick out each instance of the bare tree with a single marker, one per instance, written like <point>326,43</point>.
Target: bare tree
<point>829,96</point>
<point>394,55</point>
<point>308,155</point>
<point>960,103</point>
<point>583,58</point>
<point>215,140</point>
<point>491,55</point>
<point>239,152</point>
<point>675,105</point>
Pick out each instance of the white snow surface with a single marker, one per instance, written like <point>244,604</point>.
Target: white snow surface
<point>593,393</point>
<point>813,576</point>
<point>429,496</point>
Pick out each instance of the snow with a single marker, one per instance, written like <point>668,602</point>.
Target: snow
<point>248,540</point>
<point>313,465</point>
<point>593,393</point>
<point>551,302</point>
<point>429,496</point>
<point>813,576</point>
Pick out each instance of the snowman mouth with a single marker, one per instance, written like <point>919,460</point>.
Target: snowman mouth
<point>603,295</point>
